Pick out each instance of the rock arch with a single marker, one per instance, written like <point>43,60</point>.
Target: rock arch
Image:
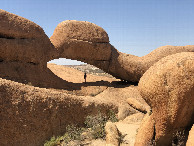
<point>87,42</point>
<point>25,50</point>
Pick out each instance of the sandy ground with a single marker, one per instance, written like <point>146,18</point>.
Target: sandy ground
<point>76,76</point>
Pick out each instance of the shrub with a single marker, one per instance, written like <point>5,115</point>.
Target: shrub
<point>72,133</point>
<point>53,141</point>
<point>96,124</point>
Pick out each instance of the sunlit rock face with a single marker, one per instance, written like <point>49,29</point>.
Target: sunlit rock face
<point>23,40</point>
<point>24,52</point>
<point>168,87</point>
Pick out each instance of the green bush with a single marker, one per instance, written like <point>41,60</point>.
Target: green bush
<point>96,124</point>
<point>72,133</point>
<point>53,141</point>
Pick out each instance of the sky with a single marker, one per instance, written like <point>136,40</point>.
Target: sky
<point>135,27</point>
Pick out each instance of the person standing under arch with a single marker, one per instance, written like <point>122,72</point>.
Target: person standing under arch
<point>85,76</point>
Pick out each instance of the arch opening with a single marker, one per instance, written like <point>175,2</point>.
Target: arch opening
<point>73,74</point>
<point>73,71</point>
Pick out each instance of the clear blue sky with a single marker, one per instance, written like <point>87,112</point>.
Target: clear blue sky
<point>134,26</point>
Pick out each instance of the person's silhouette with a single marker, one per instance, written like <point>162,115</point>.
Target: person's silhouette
<point>85,75</point>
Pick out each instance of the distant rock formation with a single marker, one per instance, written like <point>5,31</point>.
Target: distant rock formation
<point>89,43</point>
<point>168,87</point>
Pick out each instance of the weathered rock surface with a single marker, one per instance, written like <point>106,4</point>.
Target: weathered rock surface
<point>190,141</point>
<point>80,30</point>
<point>123,132</point>
<point>137,105</point>
<point>93,142</point>
<point>133,118</point>
<point>98,142</point>
<point>128,131</point>
<point>31,115</point>
<point>83,41</point>
<point>23,40</point>
<point>128,128</point>
<point>146,131</point>
<point>87,42</point>
<point>24,52</point>
<point>112,134</point>
<point>168,88</point>
<point>35,75</point>
<point>124,111</point>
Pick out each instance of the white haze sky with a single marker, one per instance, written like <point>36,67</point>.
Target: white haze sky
<point>134,26</point>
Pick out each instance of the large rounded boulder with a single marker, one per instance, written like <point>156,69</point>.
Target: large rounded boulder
<point>24,52</point>
<point>168,87</point>
<point>23,40</point>
<point>81,40</point>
